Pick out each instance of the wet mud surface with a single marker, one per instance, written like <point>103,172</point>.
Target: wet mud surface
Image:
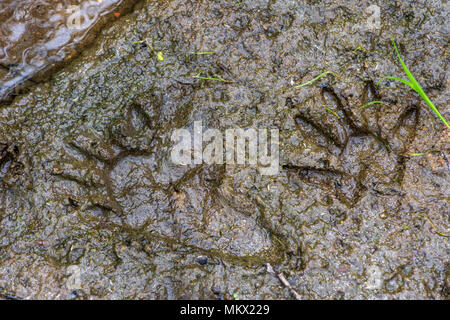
<point>89,194</point>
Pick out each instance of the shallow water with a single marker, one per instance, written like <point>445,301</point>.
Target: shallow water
<point>36,35</point>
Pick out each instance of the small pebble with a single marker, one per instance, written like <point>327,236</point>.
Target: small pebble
<point>202,260</point>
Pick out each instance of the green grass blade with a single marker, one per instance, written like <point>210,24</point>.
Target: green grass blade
<point>417,154</point>
<point>431,105</point>
<point>411,78</point>
<point>371,103</point>
<point>399,79</point>
<point>332,112</point>
<point>414,84</point>
<point>313,80</point>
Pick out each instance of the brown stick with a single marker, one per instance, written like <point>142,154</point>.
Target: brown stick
<point>283,280</point>
<point>8,296</point>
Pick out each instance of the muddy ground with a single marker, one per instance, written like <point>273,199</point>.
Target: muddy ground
<point>92,207</point>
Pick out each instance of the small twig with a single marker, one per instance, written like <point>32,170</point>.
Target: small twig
<point>433,226</point>
<point>283,280</point>
<point>8,296</point>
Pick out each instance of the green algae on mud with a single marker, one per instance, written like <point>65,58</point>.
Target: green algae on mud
<point>87,179</point>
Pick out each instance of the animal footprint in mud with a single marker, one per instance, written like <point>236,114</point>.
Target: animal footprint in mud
<point>88,159</point>
<point>121,177</point>
<point>346,151</point>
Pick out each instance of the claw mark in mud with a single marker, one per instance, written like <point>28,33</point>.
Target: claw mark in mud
<point>7,155</point>
<point>348,188</point>
<point>110,181</point>
<point>90,160</point>
<point>367,160</point>
<point>11,167</point>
